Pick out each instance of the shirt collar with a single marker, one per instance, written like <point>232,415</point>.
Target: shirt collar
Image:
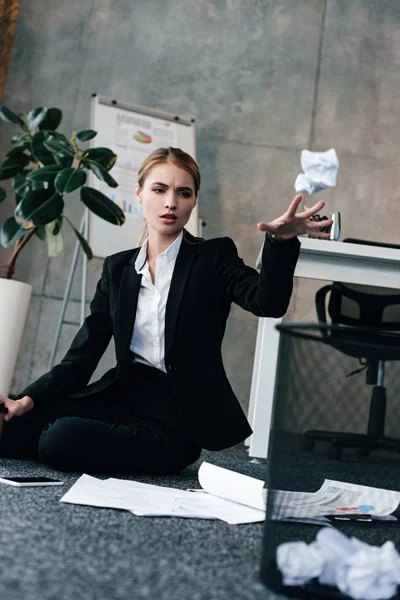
<point>171,253</point>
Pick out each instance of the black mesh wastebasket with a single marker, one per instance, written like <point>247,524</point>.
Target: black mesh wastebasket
<point>329,384</point>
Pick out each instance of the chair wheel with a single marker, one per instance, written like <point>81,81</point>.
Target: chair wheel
<point>363,452</point>
<point>307,444</point>
<point>335,452</point>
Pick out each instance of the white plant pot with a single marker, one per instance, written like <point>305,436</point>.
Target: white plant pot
<point>14,303</point>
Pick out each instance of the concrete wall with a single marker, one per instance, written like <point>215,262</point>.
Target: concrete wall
<point>264,79</point>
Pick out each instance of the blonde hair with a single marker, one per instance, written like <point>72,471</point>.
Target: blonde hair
<point>175,156</point>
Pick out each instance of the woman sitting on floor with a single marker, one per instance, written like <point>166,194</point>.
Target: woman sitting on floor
<point>165,304</point>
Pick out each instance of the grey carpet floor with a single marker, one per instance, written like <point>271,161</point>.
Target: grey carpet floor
<point>50,550</point>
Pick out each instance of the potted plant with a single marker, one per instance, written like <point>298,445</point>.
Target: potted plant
<point>44,166</point>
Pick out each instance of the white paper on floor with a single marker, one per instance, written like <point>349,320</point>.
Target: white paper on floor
<point>225,495</point>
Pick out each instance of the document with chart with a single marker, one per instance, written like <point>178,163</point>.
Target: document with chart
<point>335,498</point>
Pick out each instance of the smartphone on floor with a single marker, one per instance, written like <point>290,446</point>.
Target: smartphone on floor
<point>29,481</point>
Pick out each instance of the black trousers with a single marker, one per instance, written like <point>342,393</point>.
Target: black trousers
<point>134,428</point>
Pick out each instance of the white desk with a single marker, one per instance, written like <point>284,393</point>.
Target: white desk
<point>319,259</point>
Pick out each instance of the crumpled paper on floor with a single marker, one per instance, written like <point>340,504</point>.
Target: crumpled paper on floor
<point>357,569</point>
<point>298,562</point>
<point>320,171</point>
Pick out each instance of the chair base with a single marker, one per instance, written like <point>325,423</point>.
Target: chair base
<point>340,439</point>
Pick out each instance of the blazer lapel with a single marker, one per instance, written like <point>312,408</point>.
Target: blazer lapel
<point>127,304</point>
<point>183,265</point>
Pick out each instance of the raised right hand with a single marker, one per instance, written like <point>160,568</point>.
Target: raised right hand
<point>292,223</point>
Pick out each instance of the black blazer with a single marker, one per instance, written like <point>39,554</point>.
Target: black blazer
<point>207,277</point>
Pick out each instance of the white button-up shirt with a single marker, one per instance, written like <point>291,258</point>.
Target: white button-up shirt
<point>148,338</point>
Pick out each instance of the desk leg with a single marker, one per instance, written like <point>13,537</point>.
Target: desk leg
<point>263,385</point>
<point>256,370</point>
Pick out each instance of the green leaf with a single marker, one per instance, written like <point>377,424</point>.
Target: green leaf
<point>8,172</point>
<point>2,194</point>
<point>69,180</point>
<point>52,119</point>
<point>20,185</point>
<point>39,207</point>
<point>11,232</point>
<point>86,134</point>
<point>31,200</point>
<point>39,185</point>
<point>57,135</point>
<point>41,233</point>
<point>66,153</point>
<point>48,173</point>
<point>102,206</point>
<point>20,160</point>
<point>20,138</point>
<point>64,161</point>
<point>59,147</point>
<point>18,150</point>
<point>13,165</point>
<point>57,225</point>
<point>102,173</point>
<point>85,246</point>
<point>39,151</point>
<point>17,181</point>
<point>9,117</point>
<point>60,137</point>
<point>65,157</point>
<point>103,156</point>
<point>37,116</point>
<point>55,242</point>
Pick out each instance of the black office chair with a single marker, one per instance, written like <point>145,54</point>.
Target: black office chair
<point>372,311</point>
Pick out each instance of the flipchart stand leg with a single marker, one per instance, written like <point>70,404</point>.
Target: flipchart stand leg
<point>67,292</point>
<point>262,386</point>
